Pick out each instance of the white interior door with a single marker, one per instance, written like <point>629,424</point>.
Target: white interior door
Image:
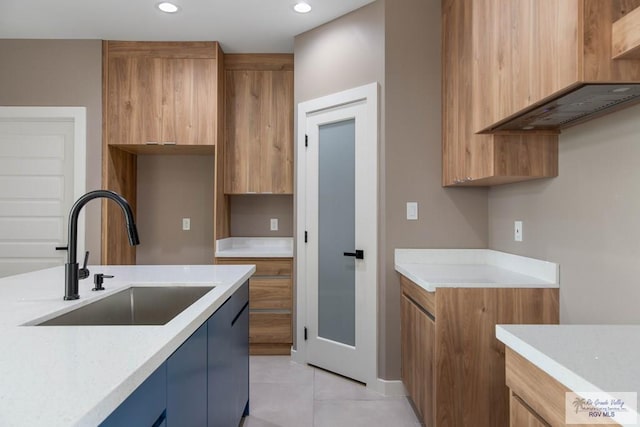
<point>340,191</point>
<point>37,190</point>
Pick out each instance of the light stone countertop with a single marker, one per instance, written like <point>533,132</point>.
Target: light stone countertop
<point>255,247</point>
<point>474,268</point>
<point>583,358</point>
<point>77,375</point>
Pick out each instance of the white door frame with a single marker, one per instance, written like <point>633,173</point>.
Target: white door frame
<point>369,95</point>
<point>79,117</point>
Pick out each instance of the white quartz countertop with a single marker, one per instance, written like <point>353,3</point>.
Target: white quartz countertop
<point>584,358</point>
<point>474,268</point>
<point>77,375</point>
<point>255,247</point>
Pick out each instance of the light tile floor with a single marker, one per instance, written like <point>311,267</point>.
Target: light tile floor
<point>286,394</point>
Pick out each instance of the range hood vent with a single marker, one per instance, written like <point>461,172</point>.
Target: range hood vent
<point>582,104</point>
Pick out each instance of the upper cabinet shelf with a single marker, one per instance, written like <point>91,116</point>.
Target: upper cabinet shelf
<point>549,64</point>
<point>161,95</point>
<point>259,124</point>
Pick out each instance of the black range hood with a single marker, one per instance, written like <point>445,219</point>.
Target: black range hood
<point>584,103</point>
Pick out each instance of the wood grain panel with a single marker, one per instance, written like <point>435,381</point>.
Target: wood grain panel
<point>133,94</point>
<point>201,50</point>
<point>471,41</point>
<point>418,350</point>
<point>270,328</point>
<point>470,367</point>
<point>543,394</point>
<point>599,17</point>
<point>259,62</point>
<point>270,293</point>
<point>189,101</point>
<point>222,220</point>
<point>427,300</point>
<point>264,266</point>
<point>119,174</point>
<point>258,349</point>
<point>259,131</point>
<point>520,415</point>
<point>625,36</point>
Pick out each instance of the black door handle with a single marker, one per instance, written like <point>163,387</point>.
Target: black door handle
<point>359,254</point>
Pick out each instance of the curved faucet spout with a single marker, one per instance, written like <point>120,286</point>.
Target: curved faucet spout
<point>71,267</point>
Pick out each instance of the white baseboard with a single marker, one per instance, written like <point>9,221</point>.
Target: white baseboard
<point>390,387</point>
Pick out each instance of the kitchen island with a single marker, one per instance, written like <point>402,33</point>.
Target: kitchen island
<point>78,375</point>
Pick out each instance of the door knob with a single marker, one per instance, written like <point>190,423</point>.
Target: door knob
<point>358,254</point>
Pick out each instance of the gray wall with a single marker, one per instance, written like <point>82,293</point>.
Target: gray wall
<point>171,188</point>
<point>448,218</point>
<point>251,215</point>
<point>398,45</point>
<point>61,73</point>
<point>587,220</point>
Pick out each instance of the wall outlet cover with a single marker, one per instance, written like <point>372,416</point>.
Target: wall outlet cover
<point>274,224</point>
<point>186,224</point>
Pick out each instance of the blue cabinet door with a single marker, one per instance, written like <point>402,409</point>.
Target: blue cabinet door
<point>240,331</point>
<point>145,406</point>
<point>220,372</point>
<point>187,382</point>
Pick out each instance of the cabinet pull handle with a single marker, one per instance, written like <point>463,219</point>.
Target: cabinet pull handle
<point>169,143</point>
<point>151,143</point>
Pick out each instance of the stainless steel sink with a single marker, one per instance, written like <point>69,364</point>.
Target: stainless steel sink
<point>138,305</point>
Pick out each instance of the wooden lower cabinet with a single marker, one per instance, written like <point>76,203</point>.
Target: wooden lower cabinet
<point>418,351</point>
<point>270,304</point>
<point>536,399</point>
<point>453,366</point>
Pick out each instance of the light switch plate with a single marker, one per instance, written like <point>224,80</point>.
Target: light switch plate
<point>412,211</point>
<point>517,231</point>
<point>186,224</point>
<point>274,224</point>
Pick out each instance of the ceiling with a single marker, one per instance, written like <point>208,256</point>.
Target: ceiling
<point>248,26</point>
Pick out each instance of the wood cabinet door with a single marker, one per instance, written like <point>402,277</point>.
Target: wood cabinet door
<point>188,101</point>
<point>418,352</point>
<point>522,416</point>
<point>259,132</point>
<point>134,112</point>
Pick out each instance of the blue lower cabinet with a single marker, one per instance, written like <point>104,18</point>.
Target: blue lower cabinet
<point>145,406</point>
<point>240,368</point>
<point>187,382</point>
<point>220,371</point>
<point>205,382</point>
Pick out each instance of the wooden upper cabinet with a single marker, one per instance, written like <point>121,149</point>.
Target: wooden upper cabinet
<point>528,51</point>
<point>469,159</point>
<point>161,93</point>
<point>259,124</point>
<point>134,100</point>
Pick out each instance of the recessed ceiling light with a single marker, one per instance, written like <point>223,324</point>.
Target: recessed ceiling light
<point>302,7</point>
<point>167,7</point>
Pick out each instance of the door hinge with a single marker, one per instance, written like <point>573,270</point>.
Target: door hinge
<point>305,333</point>
<point>306,140</point>
<point>306,237</point>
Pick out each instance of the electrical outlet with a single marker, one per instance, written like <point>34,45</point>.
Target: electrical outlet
<point>412,211</point>
<point>274,224</point>
<point>186,224</point>
<point>517,231</point>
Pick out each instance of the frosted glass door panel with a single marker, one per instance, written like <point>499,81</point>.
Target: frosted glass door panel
<point>336,232</point>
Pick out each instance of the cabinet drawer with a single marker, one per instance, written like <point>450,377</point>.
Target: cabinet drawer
<point>264,266</point>
<point>270,328</point>
<point>270,293</point>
